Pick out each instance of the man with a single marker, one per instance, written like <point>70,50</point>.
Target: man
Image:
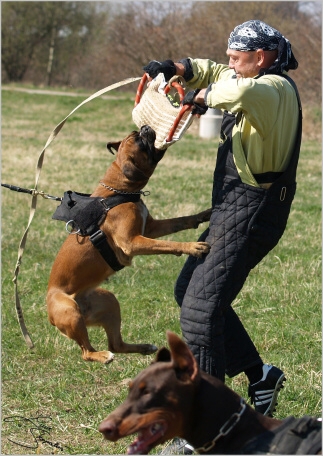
<point>254,185</point>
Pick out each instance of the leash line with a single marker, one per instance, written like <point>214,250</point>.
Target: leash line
<point>34,192</point>
<point>31,191</point>
<point>16,189</point>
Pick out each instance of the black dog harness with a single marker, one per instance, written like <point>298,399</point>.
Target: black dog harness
<point>294,436</point>
<point>84,214</point>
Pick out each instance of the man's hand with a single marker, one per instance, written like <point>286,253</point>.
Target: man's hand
<point>168,68</point>
<point>194,98</point>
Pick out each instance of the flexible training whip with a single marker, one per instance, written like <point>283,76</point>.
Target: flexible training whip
<point>35,193</point>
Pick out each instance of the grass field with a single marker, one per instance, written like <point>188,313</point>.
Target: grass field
<point>280,303</point>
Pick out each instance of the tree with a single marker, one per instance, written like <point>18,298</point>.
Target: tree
<point>93,44</point>
<point>73,36</point>
<point>22,29</point>
<point>43,39</point>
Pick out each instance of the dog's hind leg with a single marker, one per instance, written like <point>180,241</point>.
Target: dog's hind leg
<point>65,314</point>
<point>103,309</point>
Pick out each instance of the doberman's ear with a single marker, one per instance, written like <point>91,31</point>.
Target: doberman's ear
<point>113,145</point>
<point>182,357</point>
<point>163,355</point>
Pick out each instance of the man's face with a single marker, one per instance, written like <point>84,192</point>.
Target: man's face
<point>245,64</point>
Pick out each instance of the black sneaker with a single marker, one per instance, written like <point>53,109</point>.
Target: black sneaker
<point>264,393</point>
<point>178,446</point>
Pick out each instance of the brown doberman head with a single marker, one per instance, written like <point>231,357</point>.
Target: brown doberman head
<point>158,401</point>
<point>174,398</point>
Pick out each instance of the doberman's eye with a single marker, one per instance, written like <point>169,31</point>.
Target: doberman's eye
<point>143,388</point>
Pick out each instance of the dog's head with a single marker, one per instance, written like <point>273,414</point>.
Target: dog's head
<point>159,400</point>
<point>137,156</point>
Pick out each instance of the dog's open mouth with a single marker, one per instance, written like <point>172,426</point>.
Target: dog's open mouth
<point>148,438</point>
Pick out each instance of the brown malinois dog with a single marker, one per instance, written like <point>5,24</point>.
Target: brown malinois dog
<point>74,300</point>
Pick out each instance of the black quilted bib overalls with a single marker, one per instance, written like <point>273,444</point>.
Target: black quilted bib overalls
<point>247,222</point>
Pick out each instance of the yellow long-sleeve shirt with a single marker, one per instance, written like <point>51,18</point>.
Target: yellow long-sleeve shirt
<point>264,137</point>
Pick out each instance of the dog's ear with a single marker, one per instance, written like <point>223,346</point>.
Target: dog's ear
<point>182,357</point>
<point>163,355</point>
<point>113,145</point>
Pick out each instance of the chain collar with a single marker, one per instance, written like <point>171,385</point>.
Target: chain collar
<point>225,429</point>
<point>146,193</point>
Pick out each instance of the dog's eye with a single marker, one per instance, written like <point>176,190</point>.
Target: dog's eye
<point>143,388</point>
<point>142,145</point>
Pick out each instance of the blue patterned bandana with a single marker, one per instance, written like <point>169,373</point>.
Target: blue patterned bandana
<point>254,34</point>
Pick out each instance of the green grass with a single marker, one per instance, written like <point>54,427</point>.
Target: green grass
<point>280,303</point>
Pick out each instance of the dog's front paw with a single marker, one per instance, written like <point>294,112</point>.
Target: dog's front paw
<point>148,349</point>
<point>109,357</point>
<point>203,217</point>
<point>104,357</point>
<point>199,248</point>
